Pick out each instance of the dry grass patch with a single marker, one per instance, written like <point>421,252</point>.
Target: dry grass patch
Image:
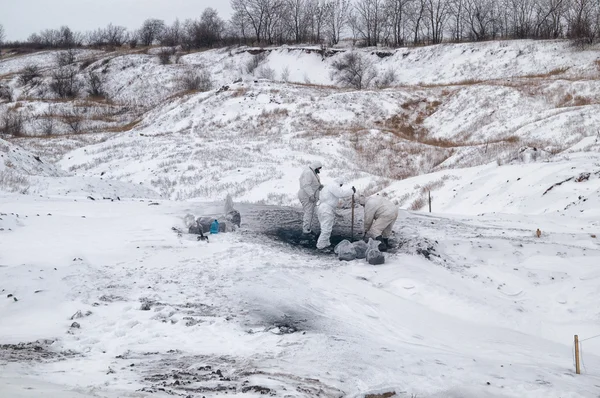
<point>569,100</point>
<point>553,72</point>
<point>123,128</point>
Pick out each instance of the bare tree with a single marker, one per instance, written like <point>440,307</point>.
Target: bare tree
<point>65,82</point>
<point>479,14</point>
<point>337,19</point>
<point>263,16</point>
<point>550,18</point>
<point>65,58</point>
<point>211,28</point>
<point>6,93</point>
<point>12,123</point>
<point>370,19</point>
<point>172,35</point>
<point>151,31</point>
<point>29,75</point>
<point>396,11</point>
<point>252,11</point>
<point>115,36</point>
<point>95,84</point>
<point>297,18</point>
<point>319,13</point>
<point>437,12</point>
<point>2,34</point>
<point>354,70</point>
<point>73,118</point>
<point>581,19</point>
<point>417,15</point>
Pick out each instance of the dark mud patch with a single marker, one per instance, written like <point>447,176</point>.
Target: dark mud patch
<point>37,351</point>
<point>178,375</point>
<point>284,225</point>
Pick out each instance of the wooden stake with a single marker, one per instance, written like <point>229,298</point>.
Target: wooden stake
<point>577,369</point>
<point>352,227</point>
<point>429,201</point>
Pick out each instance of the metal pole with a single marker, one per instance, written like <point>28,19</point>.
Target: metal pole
<point>429,201</point>
<point>352,227</point>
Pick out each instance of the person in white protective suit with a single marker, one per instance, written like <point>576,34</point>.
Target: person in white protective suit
<point>330,198</point>
<point>310,186</point>
<point>380,217</point>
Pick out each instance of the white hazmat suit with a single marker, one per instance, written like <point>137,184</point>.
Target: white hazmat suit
<point>380,216</point>
<point>310,185</point>
<point>330,198</point>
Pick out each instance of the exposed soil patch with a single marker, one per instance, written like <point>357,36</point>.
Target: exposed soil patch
<point>34,351</point>
<point>187,376</point>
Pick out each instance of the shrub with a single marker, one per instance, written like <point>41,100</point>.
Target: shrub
<point>95,85</point>
<point>29,74</point>
<point>12,123</point>
<point>164,55</point>
<point>65,82</point>
<point>285,74</point>
<point>195,81</point>
<point>266,73</point>
<point>65,58</point>
<point>354,70</point>
<point>10,181</point>
<point>387,79</point>
<point>6,93</point>
<point>72,119</point>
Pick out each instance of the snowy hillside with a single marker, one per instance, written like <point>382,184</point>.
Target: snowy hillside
<point>106,295</point>
<point>443,107</point>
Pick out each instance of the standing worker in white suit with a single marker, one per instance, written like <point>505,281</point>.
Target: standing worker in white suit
<point>330,198</point>
<point>310,186</point>
<point>380,217</point>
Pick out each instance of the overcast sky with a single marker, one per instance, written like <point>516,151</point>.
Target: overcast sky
<point>23,17</point>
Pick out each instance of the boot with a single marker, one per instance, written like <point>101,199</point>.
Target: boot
<point>382,246</point>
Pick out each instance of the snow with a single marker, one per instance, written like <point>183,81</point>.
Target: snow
<point>503,309</point>
<point>472,304</point>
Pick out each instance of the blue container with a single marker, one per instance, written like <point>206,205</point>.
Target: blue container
<point>214,227</point>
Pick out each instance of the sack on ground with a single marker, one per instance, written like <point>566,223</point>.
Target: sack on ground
<point>374,256</point>
<point>345,251</point>
<point>360,247</point>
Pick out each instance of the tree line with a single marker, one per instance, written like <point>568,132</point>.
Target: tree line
<point>391,23</point>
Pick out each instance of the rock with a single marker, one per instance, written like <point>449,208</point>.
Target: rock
<point>77,315</point>
<point>345,251</point>
<point>75,325</point>
<point>145,307</point>
<point>360,247</point>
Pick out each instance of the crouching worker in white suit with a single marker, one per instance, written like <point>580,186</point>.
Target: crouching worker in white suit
<point>310,185</point>
<point>330,198</point>
<point>380,217</point>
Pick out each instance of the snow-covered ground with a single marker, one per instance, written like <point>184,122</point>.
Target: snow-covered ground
<point>493,315</point>
<point>102,298</point>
